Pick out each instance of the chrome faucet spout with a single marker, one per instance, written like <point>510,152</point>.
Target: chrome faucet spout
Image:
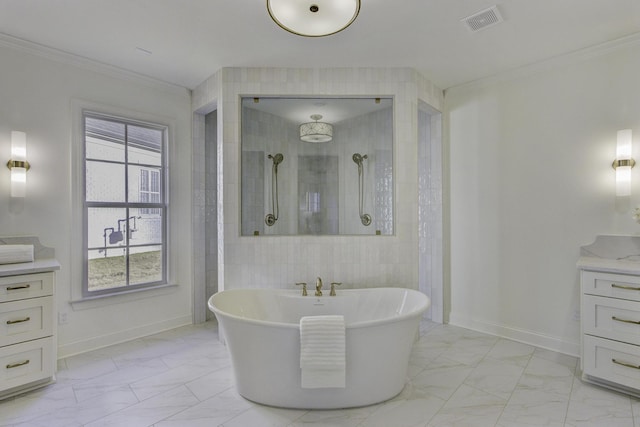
<point>318,287</point>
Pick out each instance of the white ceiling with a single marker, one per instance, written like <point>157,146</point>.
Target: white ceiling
<point>189,40</point>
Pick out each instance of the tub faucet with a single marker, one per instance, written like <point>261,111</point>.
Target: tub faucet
<point>318,287</point>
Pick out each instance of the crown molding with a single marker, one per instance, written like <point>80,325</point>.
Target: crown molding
<point>52,54</point>
<point>602,49</point>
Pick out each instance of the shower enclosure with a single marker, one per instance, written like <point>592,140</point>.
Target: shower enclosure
<point>317,189</point>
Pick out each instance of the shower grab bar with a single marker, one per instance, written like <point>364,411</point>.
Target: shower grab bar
<point>365,218</point>
<point>271,218</point>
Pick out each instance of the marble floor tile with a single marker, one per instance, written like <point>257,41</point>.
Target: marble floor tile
<point>334,418</point>
<point>414,412</point>
<point>593,406</point>
<point>100,406</point>
<point>170,379</point>
<point>264,416</point>
<point>211,384</point>
<point>150,411</point>
<point>498,377</point>
<point>211,412</point>
<point>531,407</point>
<point>469,407</point>
<point>456,377</point>
<point>441,382</point>
<point>512,351</point>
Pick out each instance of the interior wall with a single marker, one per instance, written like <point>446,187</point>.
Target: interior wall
<point>357,261</point>
<point>39,90</point>
<point>531,181</point>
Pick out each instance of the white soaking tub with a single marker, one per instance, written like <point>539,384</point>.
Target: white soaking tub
<point>261,329</point>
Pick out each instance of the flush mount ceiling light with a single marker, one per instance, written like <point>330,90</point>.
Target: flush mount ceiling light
<point>313,18</point>
<point>316,131</point>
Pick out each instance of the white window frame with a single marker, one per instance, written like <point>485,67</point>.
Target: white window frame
<point>162,205</point>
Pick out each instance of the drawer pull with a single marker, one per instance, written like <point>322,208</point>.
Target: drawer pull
<point>17,364</point>
<point>635,322</point>
<point>15,288</point>
<point>13,322</point>
<point>628,365</point>
<point>629,288</point>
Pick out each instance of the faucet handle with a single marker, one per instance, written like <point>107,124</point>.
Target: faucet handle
<point>304,288</point>
<point>332,293</point>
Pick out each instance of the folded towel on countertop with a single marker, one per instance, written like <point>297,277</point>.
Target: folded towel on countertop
<point>322,351</point>
<point>12,254</point>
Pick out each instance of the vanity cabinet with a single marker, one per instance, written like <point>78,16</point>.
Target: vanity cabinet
<point>611,329</point>
<point>28,344</point>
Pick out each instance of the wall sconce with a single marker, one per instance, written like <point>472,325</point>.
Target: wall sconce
<point>623,163</point>
<point>18,164</point>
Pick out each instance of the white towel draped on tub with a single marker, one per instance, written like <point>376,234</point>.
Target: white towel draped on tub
<point>12,254</point>
<point>322,351</point>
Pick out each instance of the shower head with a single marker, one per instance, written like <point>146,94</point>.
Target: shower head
<point>277,159</point>
<point>358,158</point>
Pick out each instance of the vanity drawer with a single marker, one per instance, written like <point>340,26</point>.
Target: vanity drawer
<point>14,288</point>
<point>611,285</point>
<point>611,318</point>
<point>25,320</point>
<point>612,361</point>
<point>26,363</point>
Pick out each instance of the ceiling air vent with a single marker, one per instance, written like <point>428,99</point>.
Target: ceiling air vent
<point>483,19</point>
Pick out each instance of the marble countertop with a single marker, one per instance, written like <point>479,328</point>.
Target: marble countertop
<point>37,266</point>
<point>44,257</point>
<point>612,254</point>
<point>609,265</point>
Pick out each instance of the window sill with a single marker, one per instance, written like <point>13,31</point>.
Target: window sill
<point>120,297</point>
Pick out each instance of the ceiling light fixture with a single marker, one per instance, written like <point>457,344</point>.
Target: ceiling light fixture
<point>313,18</point>
<point>316,131</point>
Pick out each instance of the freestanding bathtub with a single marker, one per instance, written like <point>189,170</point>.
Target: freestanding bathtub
<point>261,330</point>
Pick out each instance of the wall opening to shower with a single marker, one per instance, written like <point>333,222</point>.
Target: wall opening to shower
<point>320,188</point>
<point>430,206</point>
<point>211,205</point>
<point>206,237</point>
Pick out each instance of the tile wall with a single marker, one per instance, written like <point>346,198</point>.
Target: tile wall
<point>280,261</point>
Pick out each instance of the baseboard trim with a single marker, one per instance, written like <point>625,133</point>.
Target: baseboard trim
<point>521,335</point>
<point>94,343</point>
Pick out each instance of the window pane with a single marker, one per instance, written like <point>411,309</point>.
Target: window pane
<point>124,244</point>
<point>106,228</point>
<point>145,264</point>
<point>141,184</point>
<point>107,269</point>
<point>145,145</point>
<point>104,139</point>
<point>105,182</point>
<point>146,226</point>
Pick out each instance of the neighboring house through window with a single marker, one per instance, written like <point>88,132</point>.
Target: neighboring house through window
<point>149,189</point>
<point>125,206</point>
